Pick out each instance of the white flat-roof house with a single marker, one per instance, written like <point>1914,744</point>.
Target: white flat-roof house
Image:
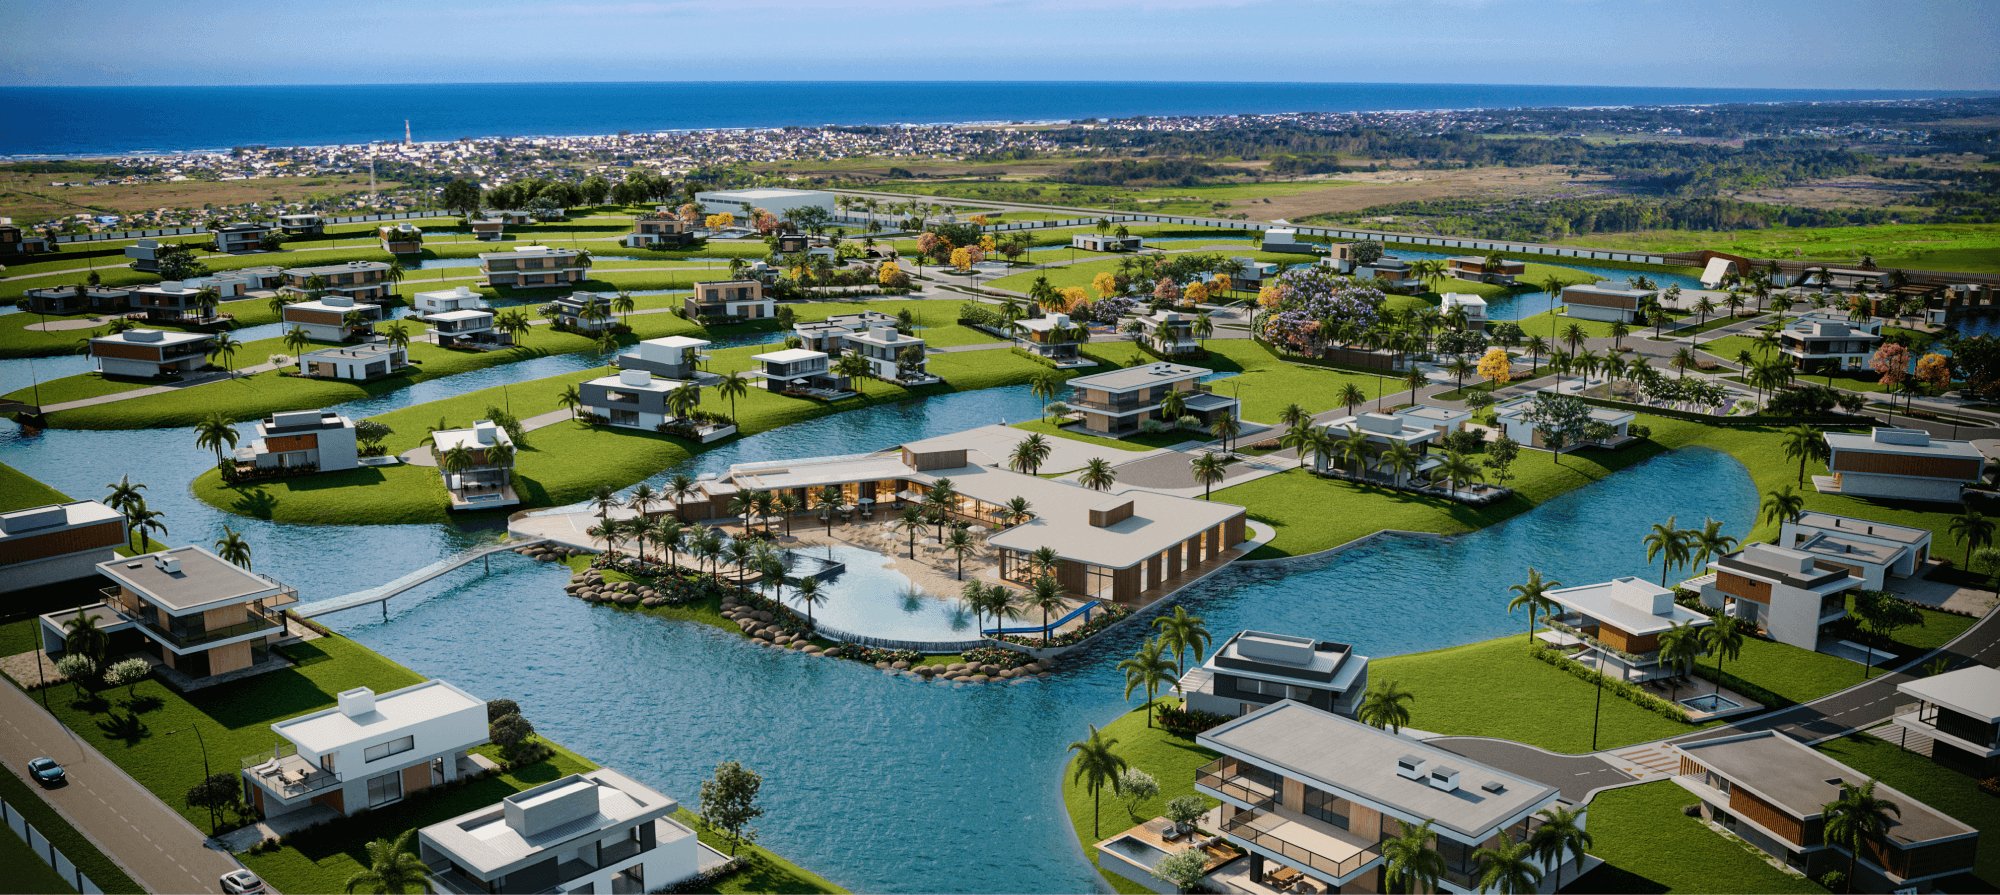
<point>146,353</point>
<point>486,482</point>
<point>631,399</point>
<point>1444,419</point>
<point>1615,626</point>
<point>1383,430</point>
<point>1908,464</point>
<point>1305,791</point>
<point>1253,669</point>
<point>1789,593</point>
<point>830,335</point>
<point>1960,710</point>
<point>1473,306</point>
<point>1818,341</point>
<point>676,358</point>
<point>1285,239</point>
<point>470,328</point>
<point>1591,301</point>
<point>369,750</point>
<point>1053,336</point>
<point>532,267</point>
<point>358,281</point>
<point>569,311</point>
<point>1512,416</point>
<point>358,362</point>
<point>1872,551</point>
<point>890,354</point>
<point>400,239</point>
<point>729,300</point>
<point>799,370</point>
<point>1395,272</point>
<point>326,320</point>
<point>775,200</point>
<point>239,237</point>
<point>317,438</point>
<point>598,831</point>
<point>1117,402</point>
<point>205,616</point>
<point>1169,333</point>
<point>59,542</point>
<point>1772,791</point>
<point>460,298</point>
<point>1105,242</point>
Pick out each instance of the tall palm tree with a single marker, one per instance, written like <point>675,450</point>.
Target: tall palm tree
<point>665,533</point>
<point>622,304</point>
<point>1680,646</point>
<point>571,399</point>
<point>1209,469</point>
<point>1400,461</point>
<point>215,432</point>
<point>232,548</point>
<point>1669,544</point>
<point>224,347</point>
<point>393,867</point>
<point>1383,706</point>
<point>1973,529</point>
<point>1509,868</point>
<point>611,533</point>
<point>82,636</point>
<point>998,602</point>
<point>1355,448</point>
<point>1029,454</point>
<point>1856,818</point>
<point>1709,543</point>
<point>1096,765</point>
<point>1097,475</point>
<point>1536,347</point>
<point>1046,595</point>
<point>911,520</point>
<point>124,497</point>
<point>733,386</point>
<point>960,543</point>
<point>1409,861</point>
<point>1724,639</point>
<point>1172,405</point>
<point>1560,839</point>
<point>1151,670</point>
<point>296,340</point>
<point>1783,505</point>
<point>807,592</point>
<point>829,499</point>
<point>1351,395</point>
<point>680,489</point>
<point>1683,360</point>
<point>145,521</point>
<point>1802,443</point>
<point>1226,427</point>
<point>1182,633</point>
<point>1532,596</point>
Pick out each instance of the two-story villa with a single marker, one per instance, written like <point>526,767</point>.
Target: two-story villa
<point>890,354</point>
<point>675,358</point>
<point>14,242</point>
<point>658,229</point>
<point>729,300</point>
<point>146,353</point>
<point>59,542</point>
<point>1169,333</point>
<point>471,329</point>
<point>1905,464</point>
<point>1117,402</point>
<point>203,615</point>
<point>1253,669</point>
<point>586,311</point>
<point>439,301</point>
<point>301,224</point>
<point>799,370</point>
<point>1615,626</point>
<point>487,481</point>
<point>328,319</point>
<point>293,439</point>
<point>1395,273</point>
<point>1384,431</point>
<point>1787,592</point>
<point>1053,336</point>
<point>1502,271</point>
<point>1869,550</point>
<point>400,239</point>
<point>369,360</point>
<point>357,280</point>
<point>77,299</point>
<point>1820,341</point>
<point>369,750</point>
<point>1473,306</point>
<point>146,254</point>
<point>240,237</point>
<point>632,399</point>
<point>488,229</point>
<point>532,267</point>
<point>1960,711</point>
<point>1592,301</point>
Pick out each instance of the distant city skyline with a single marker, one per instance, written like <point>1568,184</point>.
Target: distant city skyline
<point>1823,44</point>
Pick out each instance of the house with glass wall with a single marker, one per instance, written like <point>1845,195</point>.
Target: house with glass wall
<point>368,751</point>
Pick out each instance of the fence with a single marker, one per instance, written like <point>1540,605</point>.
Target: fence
<point>191,231</point>
<point>928,647</point>
<point>47,851</point>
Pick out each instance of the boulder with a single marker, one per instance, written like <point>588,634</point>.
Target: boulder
<point>761,615</point>
<point>980,679</point>
<point>927,671</point>
<point>811,650</point>
<point>882,665</point>
<point>900,664</point>
<point>745,624</point>
<point>629,600</point>
<point>956,666</point>
<point>1044,675</point>
<point>652,602</point>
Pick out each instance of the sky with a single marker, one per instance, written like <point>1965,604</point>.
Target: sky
<point>1832,44</point>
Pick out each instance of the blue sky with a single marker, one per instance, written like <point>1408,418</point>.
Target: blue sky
<point>1847,44</point>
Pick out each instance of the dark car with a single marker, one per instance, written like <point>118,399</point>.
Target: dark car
<point>242,882</point>
<point>47,771</point>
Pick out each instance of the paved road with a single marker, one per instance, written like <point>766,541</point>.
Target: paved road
<point>158,847</point>
<point>1578,776</point>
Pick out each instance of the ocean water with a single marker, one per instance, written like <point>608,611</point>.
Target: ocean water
<point>108,120</point>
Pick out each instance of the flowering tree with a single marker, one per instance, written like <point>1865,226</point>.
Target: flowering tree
<point>1106,284</point>
<point>961,258</point>
<point>1934,370</point>
<point>928,242</point>
<point>1222,284</point>
<point>690,215</point>
<point>974,253</point>
<point>987,244</point>
<point>1893,362</point>
<point>887,273</point>
<point>1167,290</point>
<point>1271,296</point>
<point>1496,366</point>
<point>1196,294</point>
<point>979,220</point>
<point>1302,302</point>
<point>1074,297</point>
<point>720,221</point>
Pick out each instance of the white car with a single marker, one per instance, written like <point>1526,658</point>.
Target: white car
<point>242,882</point>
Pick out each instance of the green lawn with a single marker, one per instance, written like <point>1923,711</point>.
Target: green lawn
<point>1551,325</point>
<point>1949,791</point>
<point>1171,760</point>
<point>26,871</point>
<point>19,491</point>
<point>1958,247</point>
<point>1649,846</point>
<point>1083,272</point>
<point>28,801</point>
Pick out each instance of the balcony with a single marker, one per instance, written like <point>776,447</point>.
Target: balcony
<point>182,638</point>
<point>1309,844</point>
<point>282,772</point>
<point>1123,405</point>
<point>1221,775</point>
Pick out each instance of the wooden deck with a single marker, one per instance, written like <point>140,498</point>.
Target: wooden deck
<point>1153,832</point>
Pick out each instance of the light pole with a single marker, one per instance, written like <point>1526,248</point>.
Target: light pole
<point>206,772</point>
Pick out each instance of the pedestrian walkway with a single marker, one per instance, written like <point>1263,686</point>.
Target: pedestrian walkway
<point>1646,763</point>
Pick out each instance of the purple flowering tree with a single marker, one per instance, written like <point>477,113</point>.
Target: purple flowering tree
<point>1307,298</point>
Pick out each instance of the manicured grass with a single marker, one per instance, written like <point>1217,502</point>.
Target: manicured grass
<point>1551,325</point>
<point>1942,788</point>
<point>26,872</point>
<point>83,385</point>
<point>18,636</point>
<point>938,318</point>
<point>1081,273</point>
<point>1649,846</point>
<point>1958,247</point>
<point>1793,674</point>
<point>27,800</point>
<point>1171,760</point>
<point>1139,442</point>
<point>19,491</point>
<point>766,872</point>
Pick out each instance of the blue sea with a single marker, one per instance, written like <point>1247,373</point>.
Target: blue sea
<point>56,121</point>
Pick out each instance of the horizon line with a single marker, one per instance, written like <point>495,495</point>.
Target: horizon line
<point>1014,81</point>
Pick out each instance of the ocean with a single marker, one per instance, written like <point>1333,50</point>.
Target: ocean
<point>59,121</point>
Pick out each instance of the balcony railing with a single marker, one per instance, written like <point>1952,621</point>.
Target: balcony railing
<point>283,772</point>
<point>183,637</point>
<point>1266,826</point>
<point>1629,658</point>
<point>1220,775</point>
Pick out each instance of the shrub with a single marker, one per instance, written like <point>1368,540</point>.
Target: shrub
<point>501,708</point>
<point>1152,426</point>
<point>993,655</point>
<point>1626,690</point>
<point>509,732</point>
<point>1184,722</point>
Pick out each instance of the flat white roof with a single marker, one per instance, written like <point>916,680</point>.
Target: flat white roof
<point>895,338</point>
<point>1139,377</point>
<point>459,292</point>
<point>1935,447</point>
<point>1623,604</point>
<point>331,729</point>
<point>201,579</point>
<point>466,314</point>
<point>1971,691</point>
<point>1457,299</point>
<point>27,523</point>
<point>484,840</point>
<point>447,439</point>
<point>676,342</point>
<point>322,305</point>
<point>160,337</point>
<point>656,385</point>
<point>788,356</point>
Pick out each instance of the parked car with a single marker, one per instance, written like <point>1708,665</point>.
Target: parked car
<point>47,772</point>
<point>242,882</point>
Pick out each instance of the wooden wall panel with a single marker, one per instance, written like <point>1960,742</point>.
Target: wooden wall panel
<point>1769,816</point>
<point>416,778</point>
<point>229,657</point>
<point>124,351</point>
<point>1963,469</point>
<point>61,543</point>
<point>1743,588</point>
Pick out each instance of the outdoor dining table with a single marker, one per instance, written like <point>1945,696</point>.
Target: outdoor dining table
<point>1285,876</point>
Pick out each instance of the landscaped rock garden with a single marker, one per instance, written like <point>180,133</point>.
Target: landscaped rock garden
<point>549,552</point>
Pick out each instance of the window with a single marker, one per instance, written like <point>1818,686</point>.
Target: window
<point>385,789</point>
<point>1327,807</point>
<point>384,750</point>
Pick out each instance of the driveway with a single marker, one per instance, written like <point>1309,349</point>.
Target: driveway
<point>1578,776</point>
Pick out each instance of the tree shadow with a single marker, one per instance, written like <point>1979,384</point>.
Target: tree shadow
<point>142,704</point>
<point>256,503</point>
<point>1610,878</point>
<point>129,729</point>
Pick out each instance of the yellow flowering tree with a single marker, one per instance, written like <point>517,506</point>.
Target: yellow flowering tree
<point>1196,294</point>
<point>961,258</point>
<point>979,220</point>
<point>887,272</point>
<point>1106,284</point>
<point>1074,297</point>
<point>720,221</point>
<point>1271,296</point>
<point>1496,366</point>
<point>1934,370</point>
<point>1222,284</point>
<point>987,244</point>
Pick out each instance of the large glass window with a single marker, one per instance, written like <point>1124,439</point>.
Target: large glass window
<point>380,751</point>
<point>385,788</point>
<point>1327,807</point>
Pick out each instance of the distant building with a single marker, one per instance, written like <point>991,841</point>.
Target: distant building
<point>1473,305</point>
<point>327,320</point>
<point>371,360</point>
<point>576,312</point>
<point>301,224</point>
<point>1588,301</point>
<point>799,370</point>
<point>1476,268</point>
<point>469,328</point>
<point>1872,551</point>
<point>676,358</point>
<point>400,239</point>
<point>146,353</point>
<point>359,281</point>
<point>59,542</point>
<point>461,298</point>
<point>78,299</point>
<point>1513,418</point>
<point>729,299</point>
<point>488,229</point>
<point>1286,240</point>
<point>1170,333</point>
<point>533,267</point>
<point>1253,669</point>
<point>317,438</point>
<point>1899,463</point>
<point>1102,242</point>
<point>240,237</point>
<point>1116,403</point>
<point>662,229</point>
<point>15,242</point>
<point>1822,341</point>
<point>1960,711</point>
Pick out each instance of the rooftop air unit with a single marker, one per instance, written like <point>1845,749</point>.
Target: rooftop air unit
<point>1412,766</point>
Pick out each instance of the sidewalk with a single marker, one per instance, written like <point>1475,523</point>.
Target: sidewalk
<point>158,847</point>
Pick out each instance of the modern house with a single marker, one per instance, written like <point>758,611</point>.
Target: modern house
<point>1871,551</point>
<point>356,280</point>
<point>1310,793</point>
<point>1819,342</point>
<point>775,200</point>
<point>487,481</point>
<point>1615,626</point>
<point>461,298</point>
<point>301,224</point>
<point>1053,336</point>
<point>146,254</point>
<point>58,542</point>
<point>369,750</point>
<point>1384,431</point>
<point>676,358</point>
<point>178,301</point>
<point>532,267</point>
<point>1502,271</point>
<point>598,831</point>
<point>1169,333</point>
<point>488,229</point>
<point>471,329</point>
<point>796,370</point>
<point>632,399</point>
<point>724,300</point>
<point>1473,306</point>
<point>14,242</point>
<point>1772,791</point>
<point>1444,419</point>
<point>319,439</point>
<point>1253,670</point>
<point>1395,274</point>
<point>1960,711</point>
<point>1590,301</point>
<point>370,360</point>
<point>240,237</point>
<point>1512,416</point>
<point>830,335</point>
<point>146,353</point>
<point>205,616</point>
<point>1906,464</point>
<point>660,229</point>
<point>1104,242</point>
<point>1787,592</point>
<point>569,311</point>
<point>1254,274</point>
<point>327,320</point>
<point>890,354</point>
<point>78,299</point>
<point>1115,403</point>
<point>1286,239</point>
<point>400,239</point>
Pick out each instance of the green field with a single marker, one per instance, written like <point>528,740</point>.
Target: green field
<point>19,491</point>
<point>1649,846</point>
<point>1171,760</point>
<point>1973,248</point>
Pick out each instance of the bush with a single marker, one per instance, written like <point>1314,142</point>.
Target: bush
<point>1626,690</point>
<point>993,655</point>
<point>501,708</point>
<point>1152,426</point>
<point>1184,722</point>
<point>509,732</point>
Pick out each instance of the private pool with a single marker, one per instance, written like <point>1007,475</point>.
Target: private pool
<point>1712,703</point>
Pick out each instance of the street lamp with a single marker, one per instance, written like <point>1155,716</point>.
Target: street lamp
<point>206,773</point>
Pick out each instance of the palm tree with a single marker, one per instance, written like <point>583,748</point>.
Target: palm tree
<point>790,505</point>
<point>393,867</point>
<point>1182,633</point>
<point>1532,596</point>
<point>1783,505</point>
<point>1619,330</point>
<point>1208,470</point>
<point>125,497</point>
<point>215,432</point>
<point>144,521</point>
<point>296,340</point>
<point>1172,405</point>
<point>1710,543</point>
<point>1150,669</point>
<point>1355,448</point>
<point>1680,646</point>
<point>1383,706</point>
<point>1856,818</point>
<point>665,533</point>
<point>998,602</point>
<point>960,543</point>
<point>807,591</point>
<point>1097,475</point>
<point>1457,469</point>
<point>571,399</point>
<point>82,636</point>
<point>680,489</point>
<point>1536,347</point>
<point>623,304</point>
<point>224,347</point>
<point>1226,427</point>
<point>1410,863</point>
<point>733,386</point>
<point>232,548</point>
<point>911,520</point>
<point>611,533</point>
<point>1096,765</point>
<point>1399,460</point>
<point>1029,454</point>
<point>397,334</point>
<point>1972,529</point>
<point>1724,639</point>
<point>1668,543</point>
<point>1018,510</point>
<point>1560,838</point>
<point>1351,395</point>
<point>1683,360</point>
<point>1047,596</point>
<point>1509,869</point>
<point>829,499</point>
<point>1045,386</point>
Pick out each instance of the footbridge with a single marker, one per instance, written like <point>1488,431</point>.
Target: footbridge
<point>382,593</point>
